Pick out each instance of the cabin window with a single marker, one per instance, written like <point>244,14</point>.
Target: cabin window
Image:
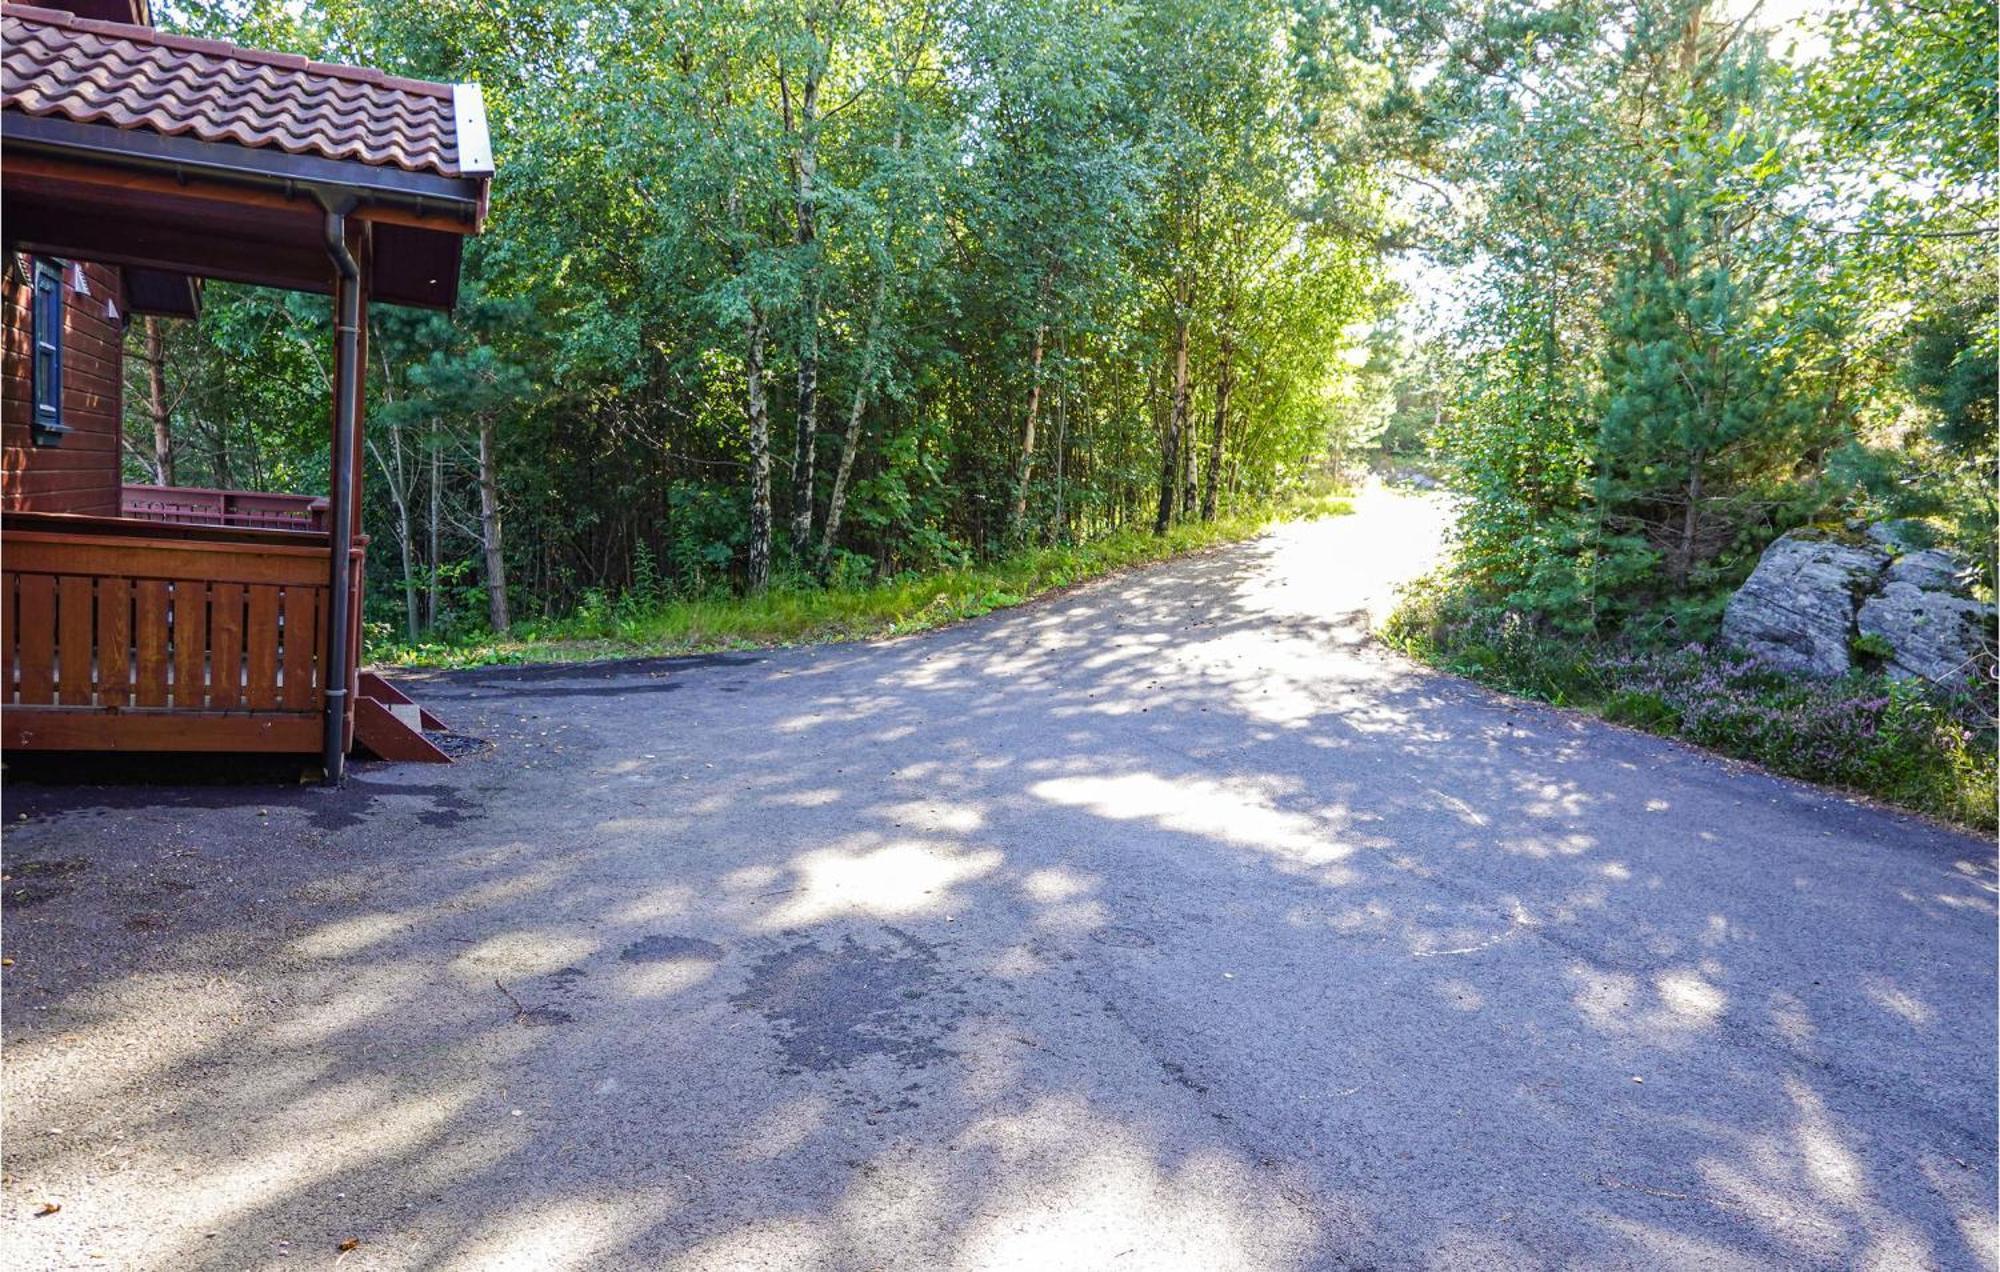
<point>47,323</point>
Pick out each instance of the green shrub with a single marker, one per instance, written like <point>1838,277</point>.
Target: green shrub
<point>1896,740</point>
<point>1870,646</point>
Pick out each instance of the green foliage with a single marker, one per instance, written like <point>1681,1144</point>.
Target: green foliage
<point>604,626</point>
<point>919,215</point>
<point>1871,647</point>
<point>1706,289</point>
<point>1894,740</point>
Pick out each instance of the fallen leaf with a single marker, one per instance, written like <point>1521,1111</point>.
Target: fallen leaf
<point>350,1244</point>
<point>48,1208</point>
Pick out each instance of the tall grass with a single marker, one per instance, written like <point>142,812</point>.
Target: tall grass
<point>803,615</point>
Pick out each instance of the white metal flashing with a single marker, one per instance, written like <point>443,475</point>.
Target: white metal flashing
<point>475,148</point>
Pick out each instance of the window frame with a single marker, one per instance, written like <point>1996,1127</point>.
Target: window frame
<point>47,305</point>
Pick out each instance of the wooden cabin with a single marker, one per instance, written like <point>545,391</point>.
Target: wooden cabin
<point>135,165</point>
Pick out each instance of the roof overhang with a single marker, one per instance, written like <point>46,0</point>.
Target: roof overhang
<point>162,293</point>
<point>184,156</point>
<point>460,198</point>
<point>236,213</point>
<point>137,12</point>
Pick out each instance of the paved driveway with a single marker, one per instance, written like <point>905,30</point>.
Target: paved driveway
<point>1165,924</point>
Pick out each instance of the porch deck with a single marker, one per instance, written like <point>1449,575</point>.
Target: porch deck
<point>205,506</point>
<point>128,633</point>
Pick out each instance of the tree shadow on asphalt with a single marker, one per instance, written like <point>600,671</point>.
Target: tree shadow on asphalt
<point>1135,929</point>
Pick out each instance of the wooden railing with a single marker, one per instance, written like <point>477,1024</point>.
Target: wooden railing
<point>243,509</point>
<point>182,639</point>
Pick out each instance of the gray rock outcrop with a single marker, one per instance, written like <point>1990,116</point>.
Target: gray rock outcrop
<point>1923,614</point>
<point>1796,610</point>
<point>1810,598</point>
<point>1932,570</point>
<point>1900,536</point>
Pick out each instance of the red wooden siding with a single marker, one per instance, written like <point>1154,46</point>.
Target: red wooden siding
<point>80,475</point>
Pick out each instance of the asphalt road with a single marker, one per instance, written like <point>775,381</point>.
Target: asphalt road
<point>1166,924</point>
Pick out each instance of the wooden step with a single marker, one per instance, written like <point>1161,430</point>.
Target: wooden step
<point>391,726</point>
<point>373,686</point>
<point>389,736</point>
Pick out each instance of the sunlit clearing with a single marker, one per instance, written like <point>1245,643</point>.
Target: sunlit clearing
<point>566,1232</point>
<point>523,952</point>
<point>1619,1004</point>
<point>337,1128</point>
<point>669,902</point>
<point>783,1129</point>
<point>1460,994</point>
<point>1689,995</point>
<point>664,978</point>
<point>816,798</point>
<point>905,877</point>
<point>1057,883</point>
<point>1095,1195</point>
<point>935,815</point>
<point>1234,813</point>
<point>1886,995</point>
<point>345,937</point>
<point>773,1243</point>
<point>357,1008</point>
<point>143,1024</point>
<point>1834,1169</point>
<point>1791,1019</point>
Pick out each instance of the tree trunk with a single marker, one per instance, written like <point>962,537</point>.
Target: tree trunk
<point>806,235</point>
<point>436,580</point>
<point>221,472</point>
<point>489,527</point>
<point>1170,445</point>
<point>398,480</point>
<point>1225,380</point>
<point>401,480</point>
<point>836,502</point>
<point>156,403</point>
<point>1017,524</point>
<point>1062,456</point>
<point>403,533</point>
<point>1690,522</point>
<point>864,384</point>
<point>759,577</point>
<point>1190,456</point>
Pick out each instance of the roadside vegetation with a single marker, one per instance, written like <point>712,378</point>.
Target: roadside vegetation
<point>801,321</point>
<point>646,621</point>
<point>1896,741</point>
<point>810,301</point>
<point>1711,284</point>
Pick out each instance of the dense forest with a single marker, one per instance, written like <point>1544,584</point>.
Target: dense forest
<point>797,295</point>
<point>783,294</point>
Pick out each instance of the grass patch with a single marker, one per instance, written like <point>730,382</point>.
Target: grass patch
<point>1897,741</point>
<point>810,615</point>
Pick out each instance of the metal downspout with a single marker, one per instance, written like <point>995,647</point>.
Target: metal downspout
<point>347,340</point>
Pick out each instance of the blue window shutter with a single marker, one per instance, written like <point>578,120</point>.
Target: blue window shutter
<point>47,315</point>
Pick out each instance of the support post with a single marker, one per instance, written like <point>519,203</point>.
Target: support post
<point>344,491</point>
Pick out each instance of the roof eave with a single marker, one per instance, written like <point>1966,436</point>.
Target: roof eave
<point>459,202</point>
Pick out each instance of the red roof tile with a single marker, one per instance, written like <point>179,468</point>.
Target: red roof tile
<point>54,63</point>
